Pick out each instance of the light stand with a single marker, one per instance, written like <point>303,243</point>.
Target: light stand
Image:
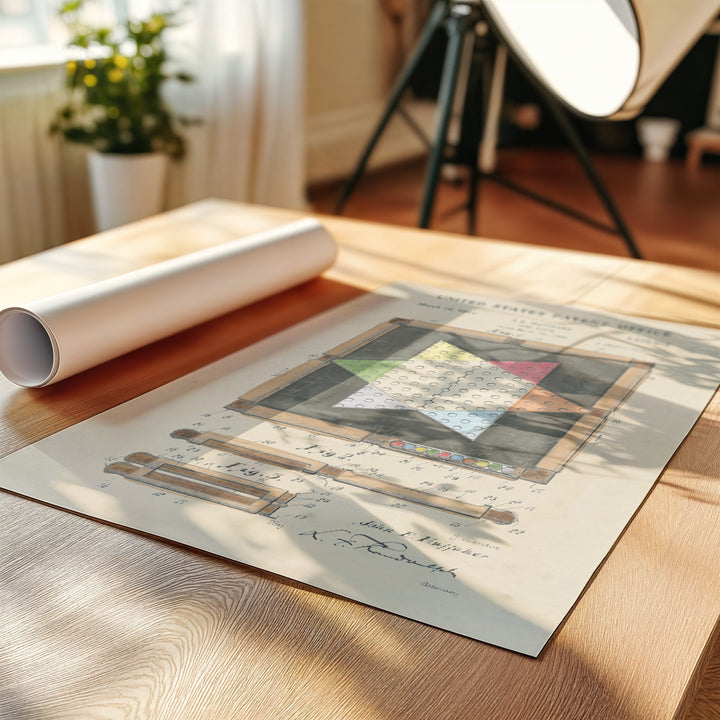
<point>460,18</point>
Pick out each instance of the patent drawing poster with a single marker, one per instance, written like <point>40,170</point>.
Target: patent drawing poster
<point>463,461</point>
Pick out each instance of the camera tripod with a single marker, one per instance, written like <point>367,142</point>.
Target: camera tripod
<point>460,18</point>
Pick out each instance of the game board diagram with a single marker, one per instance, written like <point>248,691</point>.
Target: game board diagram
<point>488,403</point>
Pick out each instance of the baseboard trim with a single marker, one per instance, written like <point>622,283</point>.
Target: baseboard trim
<point>335,140</point>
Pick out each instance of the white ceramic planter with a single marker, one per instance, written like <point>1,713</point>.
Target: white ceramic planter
<point>126,187</point>
<point>657,135</point>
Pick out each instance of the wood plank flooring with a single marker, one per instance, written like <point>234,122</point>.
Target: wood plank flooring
<point>673,213</point>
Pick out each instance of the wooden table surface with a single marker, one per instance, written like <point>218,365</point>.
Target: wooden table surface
<point>98,622</point>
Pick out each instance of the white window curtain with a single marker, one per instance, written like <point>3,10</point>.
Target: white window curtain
<point>32,200</point>
<point>248,60</point>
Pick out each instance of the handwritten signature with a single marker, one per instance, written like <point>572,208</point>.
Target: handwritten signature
<point>396,551</point>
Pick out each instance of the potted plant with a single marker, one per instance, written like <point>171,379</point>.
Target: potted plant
<point>115,106</point>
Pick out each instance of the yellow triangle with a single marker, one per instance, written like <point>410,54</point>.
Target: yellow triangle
<point>443,351</point>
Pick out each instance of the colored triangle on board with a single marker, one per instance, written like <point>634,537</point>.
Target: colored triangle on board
<point>541,400</point>
<point>469,424</point>
<point>368,370</point>
<point>370,397</point>
<point>531,371</point>
<point>442,351</point>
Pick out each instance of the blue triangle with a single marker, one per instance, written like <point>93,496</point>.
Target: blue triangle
<point>468,424</point>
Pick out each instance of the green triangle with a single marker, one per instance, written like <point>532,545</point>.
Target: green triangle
<point>368,370</point>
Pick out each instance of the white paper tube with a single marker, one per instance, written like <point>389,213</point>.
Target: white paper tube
<point>50,339</point>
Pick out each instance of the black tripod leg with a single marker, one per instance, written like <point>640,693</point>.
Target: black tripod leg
<point>483,88</point>
<point>472,126</point>
<point>456,27</point>
<point>473,192</point>
<point>434,21</point>
<point>577,145</point>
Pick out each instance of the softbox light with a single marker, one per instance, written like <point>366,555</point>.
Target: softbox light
<point>602,58</point>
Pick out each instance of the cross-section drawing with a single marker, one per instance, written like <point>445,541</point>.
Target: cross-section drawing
<point>211,485</point>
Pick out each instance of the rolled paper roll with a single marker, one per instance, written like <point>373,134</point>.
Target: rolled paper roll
<point>53,338</point>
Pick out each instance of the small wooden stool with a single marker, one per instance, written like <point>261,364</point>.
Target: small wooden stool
<point>699,142</point>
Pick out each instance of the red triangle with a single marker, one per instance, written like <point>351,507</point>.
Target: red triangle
<point>533,372</point>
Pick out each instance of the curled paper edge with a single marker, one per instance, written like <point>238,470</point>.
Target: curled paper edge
<point>50,339</point>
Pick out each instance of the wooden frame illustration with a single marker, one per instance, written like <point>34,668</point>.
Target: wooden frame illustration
<point>262,453</point>
<point>554,399</point>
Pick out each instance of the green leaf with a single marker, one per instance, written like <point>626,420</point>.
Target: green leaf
<point>118,106</point>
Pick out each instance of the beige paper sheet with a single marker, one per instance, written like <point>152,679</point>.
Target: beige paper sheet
<point>317,491</point>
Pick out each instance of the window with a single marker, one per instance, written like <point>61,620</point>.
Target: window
<point>23,23</point>
<point>32,34</point>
